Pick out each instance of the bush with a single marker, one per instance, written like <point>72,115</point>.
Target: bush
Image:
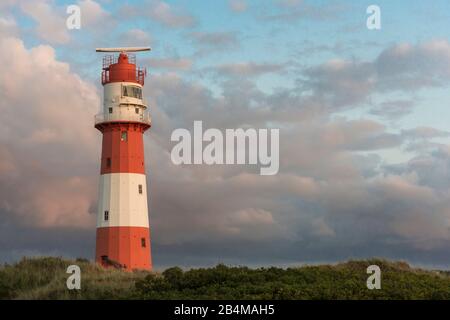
<point>343,281</point>
<point>45,278</point>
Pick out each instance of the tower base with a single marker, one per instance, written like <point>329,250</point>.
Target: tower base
<point>124,247</point>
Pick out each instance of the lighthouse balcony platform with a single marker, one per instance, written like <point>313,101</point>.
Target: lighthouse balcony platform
<point>143,118</point>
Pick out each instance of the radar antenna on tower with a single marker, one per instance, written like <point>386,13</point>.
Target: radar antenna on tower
<point>124,49</point>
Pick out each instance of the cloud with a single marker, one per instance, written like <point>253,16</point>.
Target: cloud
<point>169,15</point>
<point>341,82</point>
<point>295,10</point>
<point>93,16</point>
<point>411,67</point>
<point>251,224</point>
<point>322,228</point>
<point>290,3</point>
<point>249,69</point>
<point>238,5</point>
<point>8,26</point>
<point>361,135</point>
<point>47,178</point>
<point>8,3</point>
<point>432,168</point>
<point>162,12</point>
<point>214,41</point>
<point>393,109</point>
<point>135,37</point>
<point>51,21</point>
<point>425,133</point>
<point>400,68</point>
<point>170,63</point>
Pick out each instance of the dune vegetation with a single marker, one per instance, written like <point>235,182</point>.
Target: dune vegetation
<point>45,278</point>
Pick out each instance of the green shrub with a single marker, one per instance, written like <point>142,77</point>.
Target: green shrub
<point>45,278</point>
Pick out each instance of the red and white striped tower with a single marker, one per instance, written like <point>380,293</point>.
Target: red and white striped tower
<point>123,233</point>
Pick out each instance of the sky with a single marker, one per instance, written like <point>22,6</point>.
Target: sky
<point>363,118</point>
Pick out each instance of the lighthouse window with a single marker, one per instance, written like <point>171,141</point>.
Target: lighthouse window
<point>137,110</point>
<point>124,136</point>
<point>140,189</point>
<point>110,110</point>
<point>108,162</point>
<point>132,91</point>
<point>106,215</point>
<point>143,244</point>
<point>137,92</point>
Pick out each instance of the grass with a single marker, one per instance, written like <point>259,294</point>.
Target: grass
<point>45,278</point>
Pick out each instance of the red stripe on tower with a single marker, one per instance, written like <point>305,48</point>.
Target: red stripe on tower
<point>123,233</point>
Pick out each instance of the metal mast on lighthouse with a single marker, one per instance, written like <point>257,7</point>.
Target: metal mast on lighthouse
<point>123,233</point>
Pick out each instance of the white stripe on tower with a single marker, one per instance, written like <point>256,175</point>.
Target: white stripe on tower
<point>124,197</point>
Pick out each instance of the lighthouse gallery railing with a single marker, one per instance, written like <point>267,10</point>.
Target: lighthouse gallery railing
<point>123,117</point>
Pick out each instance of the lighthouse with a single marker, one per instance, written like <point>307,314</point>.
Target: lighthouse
<point>123,232</point>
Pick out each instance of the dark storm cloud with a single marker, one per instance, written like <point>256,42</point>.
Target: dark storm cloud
<point>17,241</point>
